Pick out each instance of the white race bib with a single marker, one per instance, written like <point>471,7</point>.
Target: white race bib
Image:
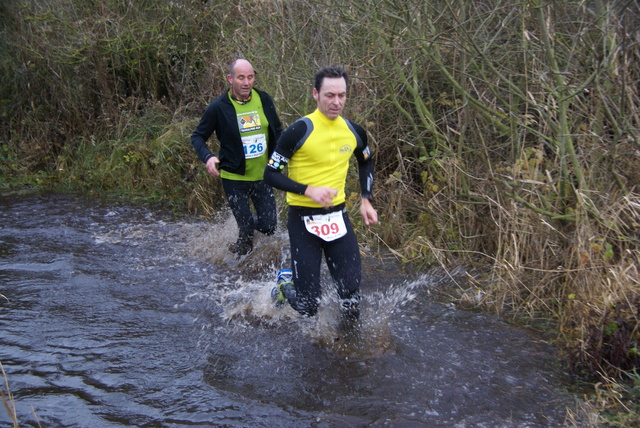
<point>254,146</point>
<point>327,226</point>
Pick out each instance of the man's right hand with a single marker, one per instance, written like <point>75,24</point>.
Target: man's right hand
<point>321,195</point>
<point>211,166</point>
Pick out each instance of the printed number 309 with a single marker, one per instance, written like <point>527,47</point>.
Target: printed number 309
<point>325,229</point>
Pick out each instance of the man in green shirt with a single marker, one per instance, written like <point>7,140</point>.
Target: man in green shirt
<point>247,126</point>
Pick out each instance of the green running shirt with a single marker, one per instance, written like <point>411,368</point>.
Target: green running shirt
<point>253,126</point>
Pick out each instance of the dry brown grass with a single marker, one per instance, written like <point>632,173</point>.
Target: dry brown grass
<point>7,399</point>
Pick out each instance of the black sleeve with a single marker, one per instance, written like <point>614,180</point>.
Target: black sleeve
<point>365,163</point>
<point>277,126</point>
<point>274,120</point>
<point>285,148</point>
<point>206,127</point>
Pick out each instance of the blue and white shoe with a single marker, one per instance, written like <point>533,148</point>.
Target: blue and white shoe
<point>283,281</point>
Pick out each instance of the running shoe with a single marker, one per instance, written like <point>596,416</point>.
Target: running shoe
<point>241,247</point>
<point>283,281</point>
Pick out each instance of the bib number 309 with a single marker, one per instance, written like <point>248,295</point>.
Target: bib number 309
<point>326,226</point>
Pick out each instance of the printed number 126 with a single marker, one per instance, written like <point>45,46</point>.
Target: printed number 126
<point>253,148</point>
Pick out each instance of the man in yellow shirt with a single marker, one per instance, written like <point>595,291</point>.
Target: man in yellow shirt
<point>317,149</point>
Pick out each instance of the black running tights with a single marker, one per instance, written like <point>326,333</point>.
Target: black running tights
<point>343,260</point>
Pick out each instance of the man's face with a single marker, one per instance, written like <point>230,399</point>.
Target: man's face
<point>332,96</point>
<point>242,80</point>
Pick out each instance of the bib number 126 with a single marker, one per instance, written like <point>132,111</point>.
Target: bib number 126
<point>254,146</point>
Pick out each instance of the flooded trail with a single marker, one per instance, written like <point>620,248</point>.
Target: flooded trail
<point>118,315</point>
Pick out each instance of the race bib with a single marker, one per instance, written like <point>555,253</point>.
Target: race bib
<point>254,146</point>
<point>326,226</point>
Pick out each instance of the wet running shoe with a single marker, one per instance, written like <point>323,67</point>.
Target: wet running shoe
<point>349,314</point>
<point>283,282</point>
<point>241,248</point>
<point>349,319</point>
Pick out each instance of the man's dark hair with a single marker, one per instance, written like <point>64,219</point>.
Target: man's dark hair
<point>330,72</point>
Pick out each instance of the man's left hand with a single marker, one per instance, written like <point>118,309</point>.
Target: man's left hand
<point>369,215</point>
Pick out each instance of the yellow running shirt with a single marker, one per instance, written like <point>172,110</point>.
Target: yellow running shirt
<point>317,151</point>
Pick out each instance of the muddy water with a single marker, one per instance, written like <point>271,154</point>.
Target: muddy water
<point>117,315</point>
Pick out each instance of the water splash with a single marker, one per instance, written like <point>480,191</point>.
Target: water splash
<point>250,302</point>
<point>210,242</point>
